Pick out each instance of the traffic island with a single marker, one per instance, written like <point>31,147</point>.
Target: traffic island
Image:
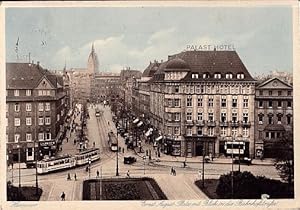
<point>122,189</point>
<point>25,193</point>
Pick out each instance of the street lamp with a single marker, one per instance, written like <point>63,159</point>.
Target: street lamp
<point>117,158</point>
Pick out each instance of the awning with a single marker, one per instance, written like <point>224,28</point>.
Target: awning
<point>136,120</point>
<point>158,138</point>
<point>139,124</point>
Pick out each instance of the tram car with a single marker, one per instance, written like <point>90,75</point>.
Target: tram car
<point>83,157</point>
<point>55,164</point>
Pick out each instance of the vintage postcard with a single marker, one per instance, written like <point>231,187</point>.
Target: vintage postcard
<point>150,105</point>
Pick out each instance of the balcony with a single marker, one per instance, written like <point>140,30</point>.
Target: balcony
<point>211,123</point>
<point>224,124</point>
<point>246,124</point>
<point>234,123</point>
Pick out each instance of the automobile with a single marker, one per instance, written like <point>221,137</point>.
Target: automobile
<point>244,160</point>
<point>129,160</point>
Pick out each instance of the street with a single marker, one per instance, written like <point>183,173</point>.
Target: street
<point>175,187</point>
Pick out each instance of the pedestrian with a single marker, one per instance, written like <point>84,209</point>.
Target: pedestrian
<point>128,175</point>
<point>97,174</point>
<point>63,196</point>
<point>75,177</point>
<point>69,177</point>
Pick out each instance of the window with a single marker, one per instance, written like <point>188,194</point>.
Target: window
<point>199,101</point>
<point>211,101</point>
<point>223,131</point>
<point>189,116</point>
<point>260,104</point>
<point>17,107</point>
<point>17,138</point>
<point>260,119</point>
<point>28,107</point>
<point>279,104</point>
<point>176,130</point>
<point>245,132</point>
<point>17,122</point>
<point>210,116</point>
<point>41,120</point>
<point>234,102</point>
<point>176,89</point>
<point>234,117</point>
<point>223,102</point>
<point>41,107</point>
<point>289,104</point>
<point>279,92</point>
<point>199,131</point>
<point>194,76</point>
<point>240,76</point>
<point>177,116</point>
<point>234,131</point>
<point>177,102</point>
<point>28,92</point>
<point>28,137</point>
<point>245,117</point>
<point>270,104</point>
<point>189,102</point>
<point>245,104</point>
<point>217,76</point>
<point>48,136</point>
<point>28,120</point>
<point>199,116</point>
<point>47,107</point>
<point>41,136</point>
<point>270,92</point>
<point>223,117</point>
<point>210,131</point>
<point>228,76</point>
<point>47,121</point>
<point>270,119</point>
<point>16,93</point>
<point>189,131</point>
<point>288,119</point>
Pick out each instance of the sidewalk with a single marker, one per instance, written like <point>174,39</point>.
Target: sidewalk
<point>169,158</point>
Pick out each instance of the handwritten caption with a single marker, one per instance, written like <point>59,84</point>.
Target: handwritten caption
<point>219,203</point>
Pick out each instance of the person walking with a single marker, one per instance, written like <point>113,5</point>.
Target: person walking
<point>63,196</point>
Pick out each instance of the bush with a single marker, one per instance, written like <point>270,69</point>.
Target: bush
<point>247,186</point>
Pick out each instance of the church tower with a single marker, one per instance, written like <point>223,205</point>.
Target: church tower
<point>93,63</point>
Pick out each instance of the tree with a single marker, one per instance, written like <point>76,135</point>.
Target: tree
<point>284,159</point>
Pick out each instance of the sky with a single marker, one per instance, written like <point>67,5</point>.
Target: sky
<point>134,36</point>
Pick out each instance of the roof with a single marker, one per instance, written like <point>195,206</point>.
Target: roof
<point>208,62</point>
<point>27,76</point>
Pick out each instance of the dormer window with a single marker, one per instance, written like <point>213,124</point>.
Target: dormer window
<point>217,76</point>
<point>229,76</point>
<point>195,76</point>
<point>240,76</point>
<point>205,75</point>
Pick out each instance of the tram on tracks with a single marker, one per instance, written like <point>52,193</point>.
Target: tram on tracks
<point>67,161</point>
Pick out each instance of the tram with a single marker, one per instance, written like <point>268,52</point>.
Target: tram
<point>55,164</point>
<point>83,157</point>
<point>112,141</point>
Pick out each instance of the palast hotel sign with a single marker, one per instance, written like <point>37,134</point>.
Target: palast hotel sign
<point>208,47</point>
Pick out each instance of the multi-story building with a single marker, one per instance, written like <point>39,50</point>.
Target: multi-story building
<point>273,114</point>
<point>203,99</point>
<point>35,111</point>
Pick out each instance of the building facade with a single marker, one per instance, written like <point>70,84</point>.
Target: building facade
<point>273,115</point>
<point>202,102</point>
<point>35,111</point>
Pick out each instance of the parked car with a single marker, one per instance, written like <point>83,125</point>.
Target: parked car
<point>129,160</point>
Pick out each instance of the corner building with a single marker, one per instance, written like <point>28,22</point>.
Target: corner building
<point>203,101</point>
